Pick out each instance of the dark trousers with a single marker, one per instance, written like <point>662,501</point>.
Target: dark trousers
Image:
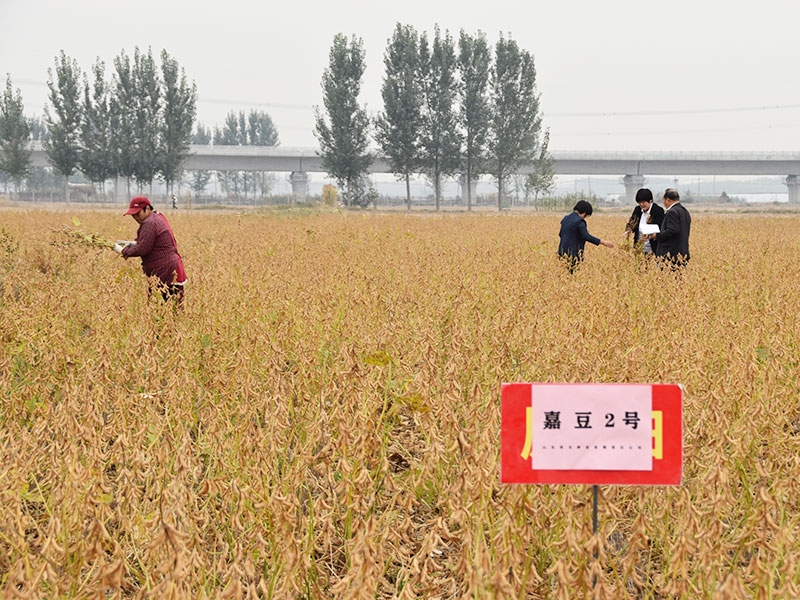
<point>673,263</point>
<point>168,291</point>
<point>570,261</point>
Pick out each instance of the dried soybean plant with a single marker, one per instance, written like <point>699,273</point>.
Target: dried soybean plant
<point>322,420</point>
<point>69,234</point>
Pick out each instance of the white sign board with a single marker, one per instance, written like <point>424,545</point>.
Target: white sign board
<point>592,427</point>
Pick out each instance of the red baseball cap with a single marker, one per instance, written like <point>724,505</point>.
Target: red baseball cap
<point>138,204</point>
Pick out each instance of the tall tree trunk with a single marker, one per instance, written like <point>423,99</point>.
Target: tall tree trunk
<point>435,194</point>
<point>66,188</point>
<point>408,191</point>
<point>437,188</point>
<point>469,186</point>
<point>500,193</point>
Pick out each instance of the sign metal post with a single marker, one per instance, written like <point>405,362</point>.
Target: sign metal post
<point>592,434</point>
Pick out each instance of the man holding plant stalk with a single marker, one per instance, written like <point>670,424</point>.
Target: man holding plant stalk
<point>155,244</point>
<point>574,235</point>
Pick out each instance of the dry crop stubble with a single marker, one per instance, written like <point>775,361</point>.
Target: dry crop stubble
<point>322,419</point>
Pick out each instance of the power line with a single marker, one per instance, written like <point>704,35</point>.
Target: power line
<point>687,111</point>
<point>251,103</point>
<point>682,131</point>
<point>632,113</point>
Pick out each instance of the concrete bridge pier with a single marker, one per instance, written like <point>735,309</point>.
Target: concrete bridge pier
<point>793,183</point>
<point>632,185</point>
<point>299,180</point>
<point>473,188</point>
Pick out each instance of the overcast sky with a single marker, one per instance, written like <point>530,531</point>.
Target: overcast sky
<point>614,75</point>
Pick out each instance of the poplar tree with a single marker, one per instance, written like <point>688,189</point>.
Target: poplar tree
<point>231,135</point>
<point>515,121</point>
<point>344,136</point>
<point>255,128</point>
<point>247,177</point>
<point>148,123</point>
<point>123,120</point>
<point>200,177</point>
<point>180,109</point>
<point>202,135</point>
<point>38,128</point>
<point>440,140</point>
<point>399,127</point>
<point>261,130</point>
<point>97,159</point>
<point>542,180</point>
<point>40,179</point>
<point>15,131</point>
<point>474,60</point>
<point>63,117</point>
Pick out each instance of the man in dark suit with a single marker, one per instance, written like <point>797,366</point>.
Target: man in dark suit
<point>648,212</point>
<point>672,242</point>
<point>574,235</point>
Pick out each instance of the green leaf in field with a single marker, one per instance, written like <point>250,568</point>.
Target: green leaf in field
<point>32,404</point>
<point>126,272</point>
<point>426,493</point>
<point>75,221</point>
<point>378,358</point>
<point>152,436</point>
<point>413,402</point>
<point>32,495</point>
<point>762,353</point>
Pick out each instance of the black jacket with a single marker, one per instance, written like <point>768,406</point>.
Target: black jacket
<point>656,218</point>
<point>673,240</point>
<point>574,235</point>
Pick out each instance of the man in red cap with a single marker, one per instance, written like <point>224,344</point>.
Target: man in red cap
<point>156,245</point>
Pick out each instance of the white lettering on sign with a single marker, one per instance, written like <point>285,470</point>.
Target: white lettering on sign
<point>592,427</point>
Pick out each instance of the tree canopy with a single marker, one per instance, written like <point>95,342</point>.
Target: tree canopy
<point>447,112</point>
<point>255,128</point>
<point>399,127</point>
<point>15,130</point>
<point>474,60</point>
<point>343,132</point>
<point>515,120</point>
<point>441,139</point>
<point>63,117</point>
<point>148,121</point>
<point>97,157</point>
<point>180,108</point>
<point>448,109</point>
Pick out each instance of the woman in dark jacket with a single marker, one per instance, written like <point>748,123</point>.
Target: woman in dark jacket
<point>646,212</point>
<point>574,234</point>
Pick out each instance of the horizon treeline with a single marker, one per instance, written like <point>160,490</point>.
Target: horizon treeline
<point>451,107</point>
<point>136,123</point>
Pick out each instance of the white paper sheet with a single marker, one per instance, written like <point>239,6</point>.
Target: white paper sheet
<point>648,228</point>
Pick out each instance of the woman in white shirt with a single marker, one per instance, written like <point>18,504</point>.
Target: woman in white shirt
<point>646,212</point>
